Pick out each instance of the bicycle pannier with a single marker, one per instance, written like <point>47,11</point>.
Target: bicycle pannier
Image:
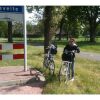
<point>67,57</point>
<point>53,50</point>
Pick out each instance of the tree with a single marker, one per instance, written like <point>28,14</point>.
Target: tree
<point>6,27</point>
<point>29,27</point>
<point>17,29</point>
<point>10,32</point>
<point>68,25</point>
<point>87,15</point>
<point>52,17</point>
<point>47,26</point>
<point>62,20</point>
<point>3,29</point>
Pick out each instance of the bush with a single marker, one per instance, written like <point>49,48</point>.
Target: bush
<point>18,35</point>
<point>2,35</point>
<point>34,35</point>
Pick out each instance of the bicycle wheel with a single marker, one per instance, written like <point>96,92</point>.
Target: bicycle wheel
<point>63,73</point>
<point>51,67</point>
<point>45,62</point>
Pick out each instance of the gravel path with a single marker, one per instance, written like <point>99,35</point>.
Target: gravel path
<point>90,55</point>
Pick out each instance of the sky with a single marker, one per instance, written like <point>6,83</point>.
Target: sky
<point>31,17</point>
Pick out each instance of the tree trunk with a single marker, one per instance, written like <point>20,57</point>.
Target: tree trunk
<point>92,35</point>
<point>60,32</point>
<point>92,31</point>
<point>47,25</point>
<point>67,36</point>
<point>10,32</point>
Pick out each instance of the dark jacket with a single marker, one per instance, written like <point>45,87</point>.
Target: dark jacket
<point>68,55</point>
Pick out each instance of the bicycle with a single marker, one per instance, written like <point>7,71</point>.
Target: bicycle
<point>64,72</point>
<point>49,61</point>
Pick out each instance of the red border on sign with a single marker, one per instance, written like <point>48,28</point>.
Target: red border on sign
<point>18,46</point>
<point>18,56</point>
<point>0,57</point>
<point>0,47</point>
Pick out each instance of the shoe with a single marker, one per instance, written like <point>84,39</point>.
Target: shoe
<point>72,79</point>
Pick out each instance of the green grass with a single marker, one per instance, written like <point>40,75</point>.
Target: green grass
<point>84,45</point>
<point>89,47</point>
<point>87,73</point>
<point>87,79</point>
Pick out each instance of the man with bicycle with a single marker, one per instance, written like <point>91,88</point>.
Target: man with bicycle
<point>69,54</point>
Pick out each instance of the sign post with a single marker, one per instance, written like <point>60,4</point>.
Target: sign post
<point>25,41</point>
<point>16,13</point>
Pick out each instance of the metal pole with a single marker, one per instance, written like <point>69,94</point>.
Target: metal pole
<point>25,41</point>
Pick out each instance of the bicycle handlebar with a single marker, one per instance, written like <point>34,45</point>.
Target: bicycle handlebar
<point>74,51</point>
<point>69,62</point>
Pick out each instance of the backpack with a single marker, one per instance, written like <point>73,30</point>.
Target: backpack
<point>53,50</point>
<point>67,57</point>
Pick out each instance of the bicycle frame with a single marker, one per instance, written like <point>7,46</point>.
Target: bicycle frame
<point>67,64</point>
<point>65,71</point>
<point>49,57</point>
<point>49,62</point>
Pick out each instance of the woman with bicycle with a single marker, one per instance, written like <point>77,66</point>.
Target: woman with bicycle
<point>69,54</point>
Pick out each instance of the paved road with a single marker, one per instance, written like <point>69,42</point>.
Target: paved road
<point>13,80</point>
<point>90,55</point>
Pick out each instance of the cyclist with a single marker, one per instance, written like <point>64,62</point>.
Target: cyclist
<point>69,54</point>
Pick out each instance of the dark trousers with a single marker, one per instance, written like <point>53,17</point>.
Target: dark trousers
<point>71,69</point>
